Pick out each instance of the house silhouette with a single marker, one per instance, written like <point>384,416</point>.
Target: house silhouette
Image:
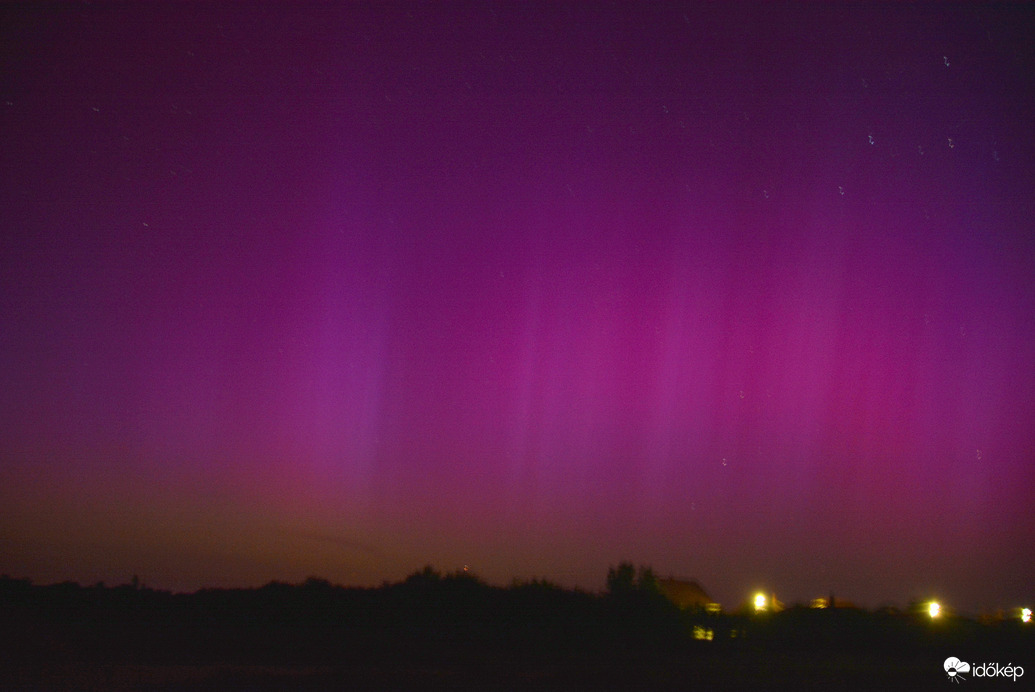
<point>687,595</point>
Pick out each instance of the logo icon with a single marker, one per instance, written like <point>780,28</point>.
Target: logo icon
<point>955,668</point>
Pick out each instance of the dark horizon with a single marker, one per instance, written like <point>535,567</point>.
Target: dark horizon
<point>22,596</point>
<point>904,604</point>
<point>456,631</point>
<point>744,292</point>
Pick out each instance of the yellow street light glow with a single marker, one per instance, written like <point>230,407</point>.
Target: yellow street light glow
<point>1025,614</point>
<point>934,609</point>
<point>759,602</point>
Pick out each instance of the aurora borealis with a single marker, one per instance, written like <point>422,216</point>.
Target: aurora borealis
<point>742,291</point>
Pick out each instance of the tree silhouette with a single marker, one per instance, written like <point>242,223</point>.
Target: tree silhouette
<point>621,579</point>
<point>646,580</point>
<point>626,578</point>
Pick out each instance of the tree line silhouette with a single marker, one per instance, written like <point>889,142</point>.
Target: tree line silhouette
<point>454,623</point>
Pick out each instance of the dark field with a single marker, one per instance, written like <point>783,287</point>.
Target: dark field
<point>455,632</point>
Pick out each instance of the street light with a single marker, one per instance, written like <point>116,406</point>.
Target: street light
<point>934,609</point>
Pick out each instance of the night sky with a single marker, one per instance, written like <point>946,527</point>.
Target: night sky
<point>743,292</point>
